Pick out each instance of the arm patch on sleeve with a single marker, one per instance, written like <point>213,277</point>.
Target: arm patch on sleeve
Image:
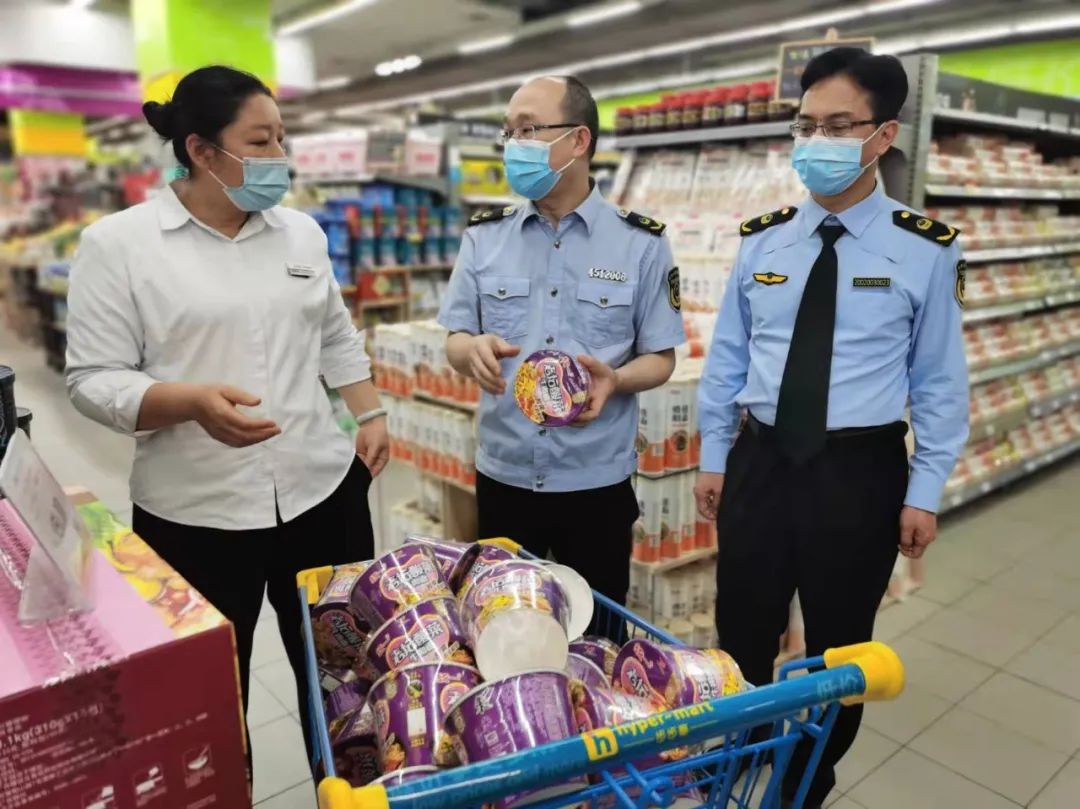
<point>673,283</point>
<point>961,277</point>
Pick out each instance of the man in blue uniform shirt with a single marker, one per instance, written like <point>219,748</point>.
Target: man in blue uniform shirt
<point>567,271</point>
<point>839,312</point>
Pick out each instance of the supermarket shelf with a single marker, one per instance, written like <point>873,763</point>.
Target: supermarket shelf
<point>675,564</point>
<point>456,484</point>
<point>464,407</point>
<point>1003,122</point>
<point>405,268</point>
<point>768,129</point>
<point>999,425</point>
<point>1019,471</point>
<point>438,185</point>
<point>1054,403</point>
<point>663,475</point>
<point>1003,310</point>
<point>993,192</point>
<point>383,303</point>
<point>1010,253</point>
<point>1020,366</point>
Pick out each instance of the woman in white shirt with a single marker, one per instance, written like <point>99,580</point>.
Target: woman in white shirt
<point>201,322</point>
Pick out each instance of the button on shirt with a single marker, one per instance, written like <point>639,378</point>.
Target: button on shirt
<point>157,296</point>
<point>594,285</point>
<point>897,335</point>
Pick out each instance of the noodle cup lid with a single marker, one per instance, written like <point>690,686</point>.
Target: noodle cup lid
<point>581,668</point>
<point>551,388</point>
<point>520,641</point>
<point>580,596</point>
<point>398,777</point>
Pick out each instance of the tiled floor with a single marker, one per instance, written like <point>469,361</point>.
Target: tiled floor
<point>991,715</point>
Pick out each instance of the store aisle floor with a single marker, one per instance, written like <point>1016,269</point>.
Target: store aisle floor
<point>991,715</point>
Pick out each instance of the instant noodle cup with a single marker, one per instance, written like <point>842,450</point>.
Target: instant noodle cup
<point>578,593</point>
<point>399,777</point>
<point>516,713</point>
<point>398,579</point>
<point>583,669</point>
<point>551,388</point>
<point>454,558</point>
<point>410,706</point>
<point>488,555</point>
<point>338,632</point>
<point>429,632</point>
<point>349,697</point>
<point>515,616</point>
<point>355,747</point>
<point>600,650</point>
<point>676,675</point>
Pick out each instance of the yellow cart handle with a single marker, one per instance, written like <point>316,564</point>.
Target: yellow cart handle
<point>880,665</point>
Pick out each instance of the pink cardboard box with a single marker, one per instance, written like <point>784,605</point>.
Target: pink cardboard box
<point>135,705</point>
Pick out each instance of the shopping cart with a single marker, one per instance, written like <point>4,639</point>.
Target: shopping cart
<point>735,770</point>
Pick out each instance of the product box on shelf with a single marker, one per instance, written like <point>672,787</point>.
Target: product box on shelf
<point>133,704</point>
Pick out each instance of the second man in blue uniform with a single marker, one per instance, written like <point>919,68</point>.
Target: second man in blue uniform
<point>839,311</point>
<point>567,271</point>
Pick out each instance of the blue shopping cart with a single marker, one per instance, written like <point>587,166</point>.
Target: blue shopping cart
<point>734,771</point>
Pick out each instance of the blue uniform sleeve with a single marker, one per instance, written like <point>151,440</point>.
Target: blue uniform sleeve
<point>725,374</point>
<point>939,385</point>
<point>657,321</point>
<point>460,309</point>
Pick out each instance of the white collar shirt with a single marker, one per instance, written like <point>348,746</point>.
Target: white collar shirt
<point>157,296</point>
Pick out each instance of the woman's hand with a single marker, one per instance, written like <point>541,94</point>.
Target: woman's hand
<point>214,408</point>
<point>373,445</point>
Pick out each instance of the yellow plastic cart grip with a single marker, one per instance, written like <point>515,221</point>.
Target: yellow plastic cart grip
<point>881,667</point>
<point>505,543</point>
<point>335,793</point>
<point>314,581</point>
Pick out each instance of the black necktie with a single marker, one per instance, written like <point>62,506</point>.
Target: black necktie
<point>802,407</point>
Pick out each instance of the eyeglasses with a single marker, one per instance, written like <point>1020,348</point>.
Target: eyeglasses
<point>833,129</point>
<point>529,132</point>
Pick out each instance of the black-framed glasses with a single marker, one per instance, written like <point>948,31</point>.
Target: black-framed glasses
<point>529,131</point>
<point>832,129</point>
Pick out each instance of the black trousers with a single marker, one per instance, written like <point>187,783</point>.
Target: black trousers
<point>589,530</point>
<point>830,529</point>
<point>232,569</point>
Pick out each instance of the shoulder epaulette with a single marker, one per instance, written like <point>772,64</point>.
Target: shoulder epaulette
<point>491,215</point>
<point>765,221</point>
<point>937,232</point>
<point>643,222</point>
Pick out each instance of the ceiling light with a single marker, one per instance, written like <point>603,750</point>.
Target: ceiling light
<point>489,44</point>
<point>322,17</point>
<point>636,56</point>
<point>333,82</point>
<point>81,3</point>
<point>399,65</point>
<point>601,13</point>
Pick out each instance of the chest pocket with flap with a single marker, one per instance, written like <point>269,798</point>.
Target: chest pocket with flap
<point>605,312</point>
<point>504,305</point>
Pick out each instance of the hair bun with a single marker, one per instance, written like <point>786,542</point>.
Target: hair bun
<point>162,117</point>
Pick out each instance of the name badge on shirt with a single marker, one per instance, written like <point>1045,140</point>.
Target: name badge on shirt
<point>875,283</point>
<point>300,270</point>
<point>607,275</point>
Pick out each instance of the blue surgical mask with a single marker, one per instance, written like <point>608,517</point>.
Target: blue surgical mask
<point>528,169</point>
<point>266,179</point>
<point>828,166</point>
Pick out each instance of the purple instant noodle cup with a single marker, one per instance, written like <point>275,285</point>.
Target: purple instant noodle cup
<point>410,706</point>
<point>454,558</point>
<point>551,388</point>
<point>345,699</point>
<point>397,580</point>
<point>355,746</point>
<point>339,633</point>
<point>425,633</point>
<point>583,669</point>
<point>513,714</point>
<point>600,650</point>
<point>487,556</point>
<point>515,616</point>
<point>679,676</point>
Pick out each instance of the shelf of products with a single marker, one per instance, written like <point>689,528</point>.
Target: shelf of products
<point>1012,474</point>
<point>1003,122</point>
<point>1043,358</point>
<point>986,192</point>
<point>766,129</point>
<point>1031,251</point>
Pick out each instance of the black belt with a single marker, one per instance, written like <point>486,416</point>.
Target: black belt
<point>895,428</point>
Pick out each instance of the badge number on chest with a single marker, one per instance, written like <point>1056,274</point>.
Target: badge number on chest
<point>300,270</point>
<point>607,275</point>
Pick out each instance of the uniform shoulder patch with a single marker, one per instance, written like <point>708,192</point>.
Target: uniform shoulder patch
<point>491,215</point>
<point>643,222</point>
<point>757,224</point>
<point>929,229</point>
